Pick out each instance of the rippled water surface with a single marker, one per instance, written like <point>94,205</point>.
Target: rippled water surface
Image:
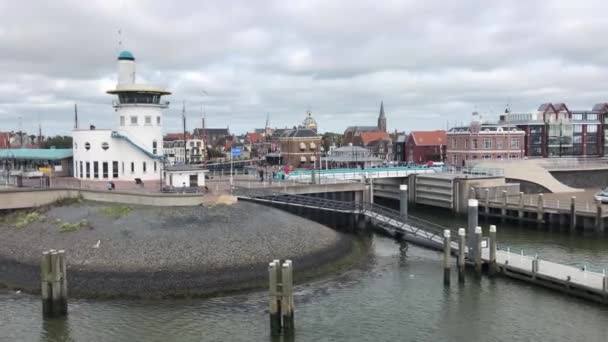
<point>401,297</point>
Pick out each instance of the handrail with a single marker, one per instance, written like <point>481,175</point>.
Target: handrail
<point>116,134</point>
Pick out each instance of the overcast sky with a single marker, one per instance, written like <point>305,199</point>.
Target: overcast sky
<point>431,62</point>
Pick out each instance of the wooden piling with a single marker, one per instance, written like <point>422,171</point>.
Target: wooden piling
<point>573,214</point>
<point>599,219</point>
<point>45,275</point>
<point>53,285</point>
<point>462,250</point>
<point>540,209</point>
<point>520,213</point>
<point>447,253</point>
<point>534,266</point>
<point>275,301</point>
<point>503,209</point>
<point>287,304</point>
<point>477,248</point>
<point>493,269</point>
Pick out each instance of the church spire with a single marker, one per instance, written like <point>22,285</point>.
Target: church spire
<point>382,118</point>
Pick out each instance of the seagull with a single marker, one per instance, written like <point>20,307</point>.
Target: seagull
<point>97,244</point>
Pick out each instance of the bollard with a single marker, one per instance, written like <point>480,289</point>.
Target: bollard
<point>403,195</point>
<point>53,275</point>
<point>275,301</point>
<point>287,305</point>
<point>472,212</point>
<point>461,253</point>
<point>477,250</point>
<point>573,214</point>
<point>493,269</point>
<point>447,251</point>
<point>371,190</point>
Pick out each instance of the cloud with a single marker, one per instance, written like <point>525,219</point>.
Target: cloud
<point>431,61</point>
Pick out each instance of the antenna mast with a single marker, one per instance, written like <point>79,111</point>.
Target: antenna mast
<point>184,136</point>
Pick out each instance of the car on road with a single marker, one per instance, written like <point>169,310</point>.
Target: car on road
<point>602,196</point>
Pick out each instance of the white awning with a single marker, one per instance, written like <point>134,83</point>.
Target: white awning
<point>313,146</point>
<point>303,159</point>
<point>302,146</point>
<point>312,158</point>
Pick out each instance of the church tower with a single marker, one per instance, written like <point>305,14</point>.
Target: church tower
<point>382,118</point>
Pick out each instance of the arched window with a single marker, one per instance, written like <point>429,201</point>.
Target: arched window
<point>87,146</point>
<point>105,146</point>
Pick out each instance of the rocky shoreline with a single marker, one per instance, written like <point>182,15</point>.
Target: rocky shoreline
<point>170,252</point>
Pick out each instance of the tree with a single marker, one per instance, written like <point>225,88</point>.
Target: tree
<point>58,141</point>
<point>328,139</point>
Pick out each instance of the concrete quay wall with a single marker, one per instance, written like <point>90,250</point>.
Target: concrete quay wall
<point>30,198</point>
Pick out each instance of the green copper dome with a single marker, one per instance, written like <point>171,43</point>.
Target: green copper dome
<point>126,55</point>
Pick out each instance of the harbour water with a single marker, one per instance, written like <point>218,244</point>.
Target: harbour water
<point>399,297</point>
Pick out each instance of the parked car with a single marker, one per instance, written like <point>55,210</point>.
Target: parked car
<point>602,196</point>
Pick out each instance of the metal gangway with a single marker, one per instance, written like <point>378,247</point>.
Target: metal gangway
<point>388,220</point>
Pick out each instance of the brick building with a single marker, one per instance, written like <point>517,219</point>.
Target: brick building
<point>424,146</point>
<point>300,147</point>
<point>479,141</point>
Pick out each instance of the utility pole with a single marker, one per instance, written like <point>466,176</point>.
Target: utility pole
<point>184,136</point>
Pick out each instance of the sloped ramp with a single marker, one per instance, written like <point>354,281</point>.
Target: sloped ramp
<point>529,171</point>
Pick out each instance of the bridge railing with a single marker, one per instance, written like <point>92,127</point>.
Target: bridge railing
<point>531,201</point>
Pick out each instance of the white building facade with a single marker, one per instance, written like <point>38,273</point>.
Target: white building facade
<point>134,148</point>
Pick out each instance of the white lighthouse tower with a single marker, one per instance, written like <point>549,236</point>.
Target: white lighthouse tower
<point>133,149</point>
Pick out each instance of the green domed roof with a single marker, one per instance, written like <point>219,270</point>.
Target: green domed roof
<point>126,55</point>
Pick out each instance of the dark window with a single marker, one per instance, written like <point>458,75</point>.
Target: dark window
<point>122,165</point>
<point>95,169</point>
<point>154,167</point>
<point>105,146</point>
<point>87,146</point>
<point>104,169</point>
<point>88,170</point>
<point>114,169</point>
<point>144,167</point>
<point>80,169</point>
<point>154,145</point>
<point>132,167</point>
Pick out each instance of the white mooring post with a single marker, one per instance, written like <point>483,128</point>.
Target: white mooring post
<point>472,217</point>
<point>403,198</point>
<point>461,253</point>
<point>447,253</point>
<point>534,266</point>
<point>493,267</point>
<point>478,235</point>
<point>281,297</point>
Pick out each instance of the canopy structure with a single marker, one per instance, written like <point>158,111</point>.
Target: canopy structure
<point>36,154</point>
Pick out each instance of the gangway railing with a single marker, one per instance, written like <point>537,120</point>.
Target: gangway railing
<point>385,218</point>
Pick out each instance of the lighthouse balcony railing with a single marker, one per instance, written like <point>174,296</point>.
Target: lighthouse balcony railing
<point>139,102</point>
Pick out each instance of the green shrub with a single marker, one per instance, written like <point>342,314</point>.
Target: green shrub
<point>116,211</point>
<point>23,220</point>
<point>73,227</point>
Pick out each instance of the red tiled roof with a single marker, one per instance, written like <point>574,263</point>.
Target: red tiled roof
<point>177,136</point>
<point>254,138</point>
<point>429,138</point>
<point>368,137</point>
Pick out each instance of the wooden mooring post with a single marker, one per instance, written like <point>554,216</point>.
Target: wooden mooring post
<point>447,254</point>
<point>599,219</point>
<point>520,212</point>
<point>280,280</point>
<point>462,251</point>
<point>573,214</point>
<point>503,209</point>
<point>54,287</point>
<point>540,210</point>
